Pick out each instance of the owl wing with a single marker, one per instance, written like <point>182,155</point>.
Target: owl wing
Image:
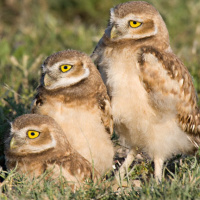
<point>75,168</point>
<point>37,102</point>
<point>102,96</point>
<point>105,111</point>
<point>170,87</point>
<point>96,54</point>
<point>97,49</point>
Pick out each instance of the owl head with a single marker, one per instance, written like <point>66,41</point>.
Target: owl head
<point>136,20</point>
<point>65,69</point>
<point>33,134</point>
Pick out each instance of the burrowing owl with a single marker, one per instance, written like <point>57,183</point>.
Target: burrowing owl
<point>153,99</point>
<point>73,93</point>
<point>36,143</point>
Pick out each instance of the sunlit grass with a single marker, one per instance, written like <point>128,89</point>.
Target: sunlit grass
<point>182,183</point>
<point>32,30</point>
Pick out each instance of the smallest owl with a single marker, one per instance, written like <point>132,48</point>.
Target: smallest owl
<point>36,143</point>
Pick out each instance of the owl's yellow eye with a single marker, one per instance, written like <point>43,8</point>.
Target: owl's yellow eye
<point>65,68</point>
<point>134,24</point>
<point>33,134</point>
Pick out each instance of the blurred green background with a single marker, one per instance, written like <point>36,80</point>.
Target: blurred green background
<point>30,30</point>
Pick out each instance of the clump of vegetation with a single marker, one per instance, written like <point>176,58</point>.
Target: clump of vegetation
<point>183,183</point>
<point>32,30</point>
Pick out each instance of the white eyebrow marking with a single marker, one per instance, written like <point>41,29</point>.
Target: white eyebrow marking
<point>64,82</point>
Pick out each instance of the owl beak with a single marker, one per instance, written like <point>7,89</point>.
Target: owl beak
<point>113,33</point>
<point>47,80</point>
<point>13,144</point>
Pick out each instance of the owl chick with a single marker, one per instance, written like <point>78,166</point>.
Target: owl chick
<point>73,93</point>
<point>36,143</point>
<point>153,99</point>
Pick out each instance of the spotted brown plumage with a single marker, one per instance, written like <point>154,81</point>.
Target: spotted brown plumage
<point>153,98</point>
<point>187,109</point>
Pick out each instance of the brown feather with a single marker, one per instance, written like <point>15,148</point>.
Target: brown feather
<point>73,166</point>
<point>153,99</point>
<point>81,109</point>
<point>187,110</point>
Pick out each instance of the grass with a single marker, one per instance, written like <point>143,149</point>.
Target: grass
<point>183,183</point>
<point>32,30</point>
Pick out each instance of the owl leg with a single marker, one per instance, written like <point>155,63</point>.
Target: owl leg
<point>124,168</point>
<point>158,166</point>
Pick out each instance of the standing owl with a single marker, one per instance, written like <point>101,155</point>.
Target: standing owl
<point>153,99</point>
<point>73,93</point>
<point>36,143</point>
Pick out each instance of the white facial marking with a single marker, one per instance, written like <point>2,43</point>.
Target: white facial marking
<point>41,148</point>
<point>123,23</point>
<point>21,135</point>
<point>67,81</point>
<point>132,17</point>
<point>137,36</point>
